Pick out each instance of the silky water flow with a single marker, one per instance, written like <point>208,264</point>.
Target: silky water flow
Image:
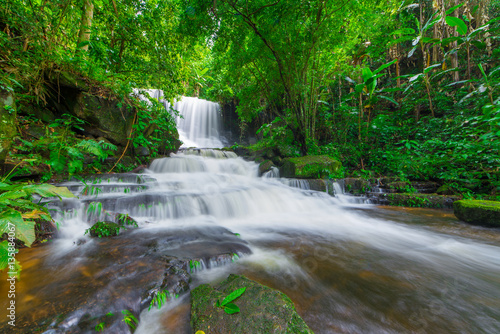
<point>348,266</point>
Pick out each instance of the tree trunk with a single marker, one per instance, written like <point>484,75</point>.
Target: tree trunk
<point>454,56</point>
<point>86,23</point>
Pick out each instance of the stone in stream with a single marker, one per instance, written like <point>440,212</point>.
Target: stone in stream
<point>478,212</point>
<point>262,309</point>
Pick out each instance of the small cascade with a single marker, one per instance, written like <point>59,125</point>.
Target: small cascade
<point>338,188</point>
<point>273,173</point>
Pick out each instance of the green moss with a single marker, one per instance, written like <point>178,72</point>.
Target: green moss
<point>419,200</point>
<point>104,229</point>
<point>262,309</point>
<point>479,212</point>
<point>311,167</point>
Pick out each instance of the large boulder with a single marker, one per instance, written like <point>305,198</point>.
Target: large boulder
<point>310,167</point>
<point>8,122</point>
<point>262,309</point>
<point>478,212</point>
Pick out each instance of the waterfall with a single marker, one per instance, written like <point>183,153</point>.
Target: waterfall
<point>198,121</point>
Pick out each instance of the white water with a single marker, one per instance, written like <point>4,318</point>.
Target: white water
<point>199,121</point>
<point>200,188</point>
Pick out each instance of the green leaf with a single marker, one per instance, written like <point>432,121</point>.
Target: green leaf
<point>12,195</point>
<point>25,230</point>
<point>48,190</point>
<point>456,22</point>
<point>359,88</point>
<point>383,67</point>
<point>366,74</point>
<point>390,99</point>
<point>452,9</point>
<point>232,296</point>
<point>231,308</point>
<point>428,69</point>
<point>412,51</point>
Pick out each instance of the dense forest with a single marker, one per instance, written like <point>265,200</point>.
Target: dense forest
<point>389,88</point>
<point>395,101</point>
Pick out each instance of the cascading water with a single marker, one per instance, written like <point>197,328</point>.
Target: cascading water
<point>348,269</point>
<point>198,121</point>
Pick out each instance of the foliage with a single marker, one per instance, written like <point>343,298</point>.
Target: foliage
<point>159,299</point>
<point>155,128</point>
<point>227,305</point>
<point>62,151</point>
<point>19,212</point>
<point>104,229</point>
<point>130,319</point>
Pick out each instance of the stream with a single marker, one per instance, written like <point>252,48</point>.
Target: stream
<point>348,266</point>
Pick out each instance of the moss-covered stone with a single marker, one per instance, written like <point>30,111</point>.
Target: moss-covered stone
<point>310,167</point>
<point>486,213</point>
<point>357,186</point>
<point>8,122</point>
<point>414,200</point>
<point>104,229</point>
<point>262,309</point>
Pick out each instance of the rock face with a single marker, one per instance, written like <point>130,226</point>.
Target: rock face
<point>8,121</point>
<point>105,116</point>
<point>310,167</point>
<point>486,213</point>
<point>262,309</point>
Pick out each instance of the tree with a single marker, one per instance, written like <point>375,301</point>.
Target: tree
<point>289,49</point>
<point>85,25</point>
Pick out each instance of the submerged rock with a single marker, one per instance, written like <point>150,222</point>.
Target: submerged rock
<point>262,309</point>
<point>486,213</point>
<point>310,167</point>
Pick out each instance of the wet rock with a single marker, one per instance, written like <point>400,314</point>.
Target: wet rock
<point>319,185</point>
<point>265,166</point>
<point>310,167</point>
<point>262,309</point>
<point>485,213</point>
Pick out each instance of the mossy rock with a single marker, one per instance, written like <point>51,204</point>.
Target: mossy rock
<point>445,190</point>
<point>485,213</point>
<point>262,309</point>
<point>104,229</point>
<point>414,200</point>
<point>311,167</point>
<point>265,166</point>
